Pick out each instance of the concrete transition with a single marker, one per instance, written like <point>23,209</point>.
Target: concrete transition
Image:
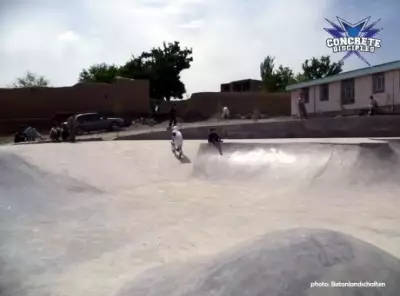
<point>277,217</point>
<point>295,262</point>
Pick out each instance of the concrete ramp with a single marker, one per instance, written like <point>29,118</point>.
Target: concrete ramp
<point>129,218</point>
<point>364,164</point>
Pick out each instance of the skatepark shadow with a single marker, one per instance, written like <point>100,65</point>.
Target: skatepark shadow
<point>183,159</point>
<point>218,145</point>
<point>284,263</point>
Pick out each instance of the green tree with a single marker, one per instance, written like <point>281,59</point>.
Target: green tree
<point>30,80</point>
<point>162,66</point>
<point>285,76</point>
<point>275,80</point>
<point>99,73</point>
<point>299,78</point>
<point>267,68</point>
<point>318,68</point>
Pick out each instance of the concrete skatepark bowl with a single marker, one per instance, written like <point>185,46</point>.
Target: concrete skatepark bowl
<point>257,217</point>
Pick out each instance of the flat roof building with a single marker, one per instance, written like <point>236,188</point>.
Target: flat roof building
<point>246,85</point>
<point>350,90</point>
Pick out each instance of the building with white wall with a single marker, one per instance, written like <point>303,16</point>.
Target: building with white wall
<point>350,90</point>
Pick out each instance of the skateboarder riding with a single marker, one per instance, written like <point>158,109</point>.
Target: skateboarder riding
<point>177,140</point>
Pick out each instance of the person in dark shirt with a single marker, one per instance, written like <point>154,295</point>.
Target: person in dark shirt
<point>373,106</point>
<point>19,137</point>
<point>213,137</point>
<point>64,132</point>
<point>172,116</point>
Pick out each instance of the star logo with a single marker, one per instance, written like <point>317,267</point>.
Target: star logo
<point>353,38</point>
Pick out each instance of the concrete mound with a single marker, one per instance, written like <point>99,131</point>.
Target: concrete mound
<point>299,262</point>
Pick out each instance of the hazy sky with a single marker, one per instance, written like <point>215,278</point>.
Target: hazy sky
<point>229,37</point>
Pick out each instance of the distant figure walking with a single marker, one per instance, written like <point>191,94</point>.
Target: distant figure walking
<point>225,113</point>
<point>172,116</point>
<point>373,106</point>
<point>301,106</point>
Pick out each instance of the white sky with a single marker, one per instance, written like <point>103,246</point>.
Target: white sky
<point>229,38</point>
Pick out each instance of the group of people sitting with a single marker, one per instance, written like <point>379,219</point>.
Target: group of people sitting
<point>31,134</point>
<point>27,134</point>
<point>59,133</point>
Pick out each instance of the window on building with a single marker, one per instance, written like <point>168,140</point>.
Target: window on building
<point>324,92</point>
<point>378,83</point>
<point>348,92</point>
<point>305,94</point>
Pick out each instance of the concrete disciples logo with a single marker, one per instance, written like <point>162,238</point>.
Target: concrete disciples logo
<point>353,38</point>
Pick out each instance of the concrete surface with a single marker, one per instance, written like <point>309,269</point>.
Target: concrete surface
<point>102,218</point>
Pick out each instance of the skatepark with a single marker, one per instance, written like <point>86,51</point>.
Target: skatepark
<point>254,217</point>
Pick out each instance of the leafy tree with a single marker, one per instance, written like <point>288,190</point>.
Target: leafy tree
<point>318,68</point>
<point>99,73</point>
<point>299,78</point>
<point>161,66</point>
<point>275,80</point>
<point>285,77</point>
<point>30,80</point>
<point>267,67</point>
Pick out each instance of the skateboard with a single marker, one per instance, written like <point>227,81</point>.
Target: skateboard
<point>174,150</point>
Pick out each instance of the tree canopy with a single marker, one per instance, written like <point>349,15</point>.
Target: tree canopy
<point>99,73</point>
<point>162,66</point>
<point>275,80</point>
<point>319,68</point>
<point>30,80</point>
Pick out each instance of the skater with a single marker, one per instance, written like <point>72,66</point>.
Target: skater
<point>177,140</point>
<point>172,116</point>
<point>213,137</point>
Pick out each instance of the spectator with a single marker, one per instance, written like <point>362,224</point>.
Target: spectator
<point>172,116</point>
<point>301,106</point>
<point>19,137</point>
<point>31,134</point>
<point>72,125</point>
<point>55,133</point>
<point>225,113</point>
<point>373,106</point>
<point>64,132</point>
